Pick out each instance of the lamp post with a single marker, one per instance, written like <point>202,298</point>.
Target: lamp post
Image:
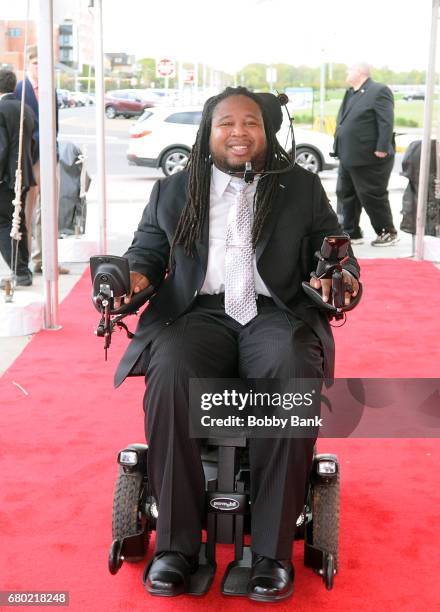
<point>48,180</point>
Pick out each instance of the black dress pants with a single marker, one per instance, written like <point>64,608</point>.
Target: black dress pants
<point>365,187</point>
<point>206,343</point>
<point>6,211</point>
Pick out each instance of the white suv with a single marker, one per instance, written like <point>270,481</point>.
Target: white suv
<point>163,137</point>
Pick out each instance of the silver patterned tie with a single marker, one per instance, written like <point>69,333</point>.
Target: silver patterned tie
<point>240,302</point>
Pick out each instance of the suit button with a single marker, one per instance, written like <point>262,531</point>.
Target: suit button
<point>168,322</point>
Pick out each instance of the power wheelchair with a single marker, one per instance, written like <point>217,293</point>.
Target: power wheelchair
<point>225,463</point>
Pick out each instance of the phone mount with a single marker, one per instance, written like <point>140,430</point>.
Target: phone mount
<point>111,279</point>
<point>331,257</point>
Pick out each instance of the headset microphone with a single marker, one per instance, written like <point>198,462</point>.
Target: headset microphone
<point>248,173</point>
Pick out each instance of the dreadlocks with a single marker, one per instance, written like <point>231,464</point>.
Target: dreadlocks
<point>199,165</point>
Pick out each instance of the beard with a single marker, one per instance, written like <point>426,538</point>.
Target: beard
<point>257,161</point>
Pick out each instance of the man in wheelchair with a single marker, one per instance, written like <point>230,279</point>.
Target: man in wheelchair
<point>222,243</point>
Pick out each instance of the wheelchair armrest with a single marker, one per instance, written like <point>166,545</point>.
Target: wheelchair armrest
<point>137,300</point>
<point>316,296</point>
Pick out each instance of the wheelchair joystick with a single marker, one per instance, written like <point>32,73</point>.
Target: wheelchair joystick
<point>111,279</point>
<point>331,257</point>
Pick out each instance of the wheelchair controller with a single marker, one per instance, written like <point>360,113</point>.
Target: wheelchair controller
<point>228,509</point>
<point>331,257</point>
<point>111,279</point>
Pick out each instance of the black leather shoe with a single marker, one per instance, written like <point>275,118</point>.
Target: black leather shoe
<point>271,579</point>
<point>169,574</point>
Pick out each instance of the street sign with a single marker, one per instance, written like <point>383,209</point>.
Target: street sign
<point>188,76</point>
<point>300,97</point>
<point>166,68</point>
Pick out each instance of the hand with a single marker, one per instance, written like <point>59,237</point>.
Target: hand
<point>138,282</point>
<point>380,154</point>
<point>326,284</point>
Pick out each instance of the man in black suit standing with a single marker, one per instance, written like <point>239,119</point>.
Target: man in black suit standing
<point>224,256</point>
<point>364,143</point>
<point>9,145</point>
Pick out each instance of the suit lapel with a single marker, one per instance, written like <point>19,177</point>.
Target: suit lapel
<point>359,95</point>
<point>343,108</point>
<point>270,222</point>
<point>202,245</point>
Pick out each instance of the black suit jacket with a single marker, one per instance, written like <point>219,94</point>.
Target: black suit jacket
<point>300,217</point>
<point>365,126</point>
<point>9,141</point>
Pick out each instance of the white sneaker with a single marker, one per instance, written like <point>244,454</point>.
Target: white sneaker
<point>385,239</point>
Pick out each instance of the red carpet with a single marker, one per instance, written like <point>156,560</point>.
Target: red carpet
<point>58,447</point>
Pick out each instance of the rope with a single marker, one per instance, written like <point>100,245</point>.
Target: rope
<point>15,228</point>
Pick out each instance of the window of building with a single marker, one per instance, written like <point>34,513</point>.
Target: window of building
<point>14,32</point>
<point>66,41</point>
<point>66,55</point>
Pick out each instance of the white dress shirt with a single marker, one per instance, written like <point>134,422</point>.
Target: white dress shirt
<point>223,197</point>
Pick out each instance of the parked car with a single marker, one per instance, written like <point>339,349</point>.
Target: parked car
<point>163,137</point>
<point>60,99</point>
<point>64,98</point>
<point>79,98</point>
<point>417,94</point>
<point>127,102</point>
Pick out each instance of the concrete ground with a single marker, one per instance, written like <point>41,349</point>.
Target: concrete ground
<point>127,196</point>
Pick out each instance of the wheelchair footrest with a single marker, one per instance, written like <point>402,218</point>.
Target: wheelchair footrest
<point>201,580</point>
<point>134,545</point>
<point>131,546</point>
<point>237,575</point>
<point>313,557</point>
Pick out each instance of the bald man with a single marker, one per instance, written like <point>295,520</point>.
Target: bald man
<point>364,143</point>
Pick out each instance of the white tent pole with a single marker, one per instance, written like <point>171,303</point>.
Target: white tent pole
<point>48,188</point>
<point>322,94</point>
<point>100,128</point>
<point>425,154</point>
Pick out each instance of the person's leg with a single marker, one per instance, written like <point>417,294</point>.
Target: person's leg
<point>195,346</point>
<point>348,203</point>
<point>19,250</point>
<point>371,184</point>
<point>31,204</point>
<point>277,345</point>
<point>6,197</point>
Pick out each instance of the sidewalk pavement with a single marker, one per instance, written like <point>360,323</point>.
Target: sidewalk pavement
<point>127,196</point>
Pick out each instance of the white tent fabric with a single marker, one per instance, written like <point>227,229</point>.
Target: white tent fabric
<point>427,129</point>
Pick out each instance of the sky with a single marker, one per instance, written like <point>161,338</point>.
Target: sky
<point>228,34</point>
<point>232,33</point>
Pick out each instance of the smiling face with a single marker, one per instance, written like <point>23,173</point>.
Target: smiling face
<point>237,134</point>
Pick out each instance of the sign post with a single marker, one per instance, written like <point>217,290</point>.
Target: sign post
<point>166,69</point>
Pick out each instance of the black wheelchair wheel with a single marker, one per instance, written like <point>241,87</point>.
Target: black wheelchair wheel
<point>325,517</point>
<point>329,570</point>
<point>114,558</point>
<point>128,517</point>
